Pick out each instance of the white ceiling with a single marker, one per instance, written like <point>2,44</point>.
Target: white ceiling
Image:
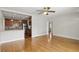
<point>33,10</point>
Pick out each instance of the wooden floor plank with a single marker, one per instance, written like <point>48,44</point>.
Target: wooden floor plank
<point>42,44</point>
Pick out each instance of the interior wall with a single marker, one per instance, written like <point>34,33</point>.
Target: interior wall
<point>39,22</point>
<point>67,25</point>
<point>39,25</point>
<point>1,22</point>
<point>12,35</point>
<point>7,36</point>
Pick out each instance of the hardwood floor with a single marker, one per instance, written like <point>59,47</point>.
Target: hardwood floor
<point>42,44</point>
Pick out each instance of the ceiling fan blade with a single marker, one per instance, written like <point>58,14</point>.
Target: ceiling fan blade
<point>41,10</point>
<point>52,11</point>
<point>40,13</point>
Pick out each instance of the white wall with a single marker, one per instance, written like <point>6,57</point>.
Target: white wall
<point>67,25</point>
<point>12,35</point>
<point>1,22</point>
<point>39,25</point>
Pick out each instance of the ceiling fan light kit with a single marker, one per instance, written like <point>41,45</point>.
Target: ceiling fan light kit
<point>46,11</point>
<point>46,8</point>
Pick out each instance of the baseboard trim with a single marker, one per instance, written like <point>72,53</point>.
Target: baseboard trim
<point>66,36</point>
<point>38,35</point>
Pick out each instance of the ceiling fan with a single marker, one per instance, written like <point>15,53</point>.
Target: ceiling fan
<point>46,11</point>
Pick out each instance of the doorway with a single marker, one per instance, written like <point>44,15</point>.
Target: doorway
<point>28,27</point>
